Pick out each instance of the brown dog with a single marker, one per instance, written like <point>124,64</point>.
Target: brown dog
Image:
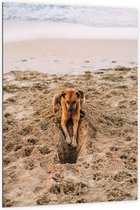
<point>71,102</point>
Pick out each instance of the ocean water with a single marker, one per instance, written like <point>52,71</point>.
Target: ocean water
<point>89,16</point>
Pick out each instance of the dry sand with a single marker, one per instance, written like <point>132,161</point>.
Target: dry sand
<point>38,166</point>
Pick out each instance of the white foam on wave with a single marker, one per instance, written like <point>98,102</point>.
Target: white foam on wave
<point>84,15</point>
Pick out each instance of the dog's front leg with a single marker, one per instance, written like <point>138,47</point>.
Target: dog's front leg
<point>75,129</point>
<point>63,125</point>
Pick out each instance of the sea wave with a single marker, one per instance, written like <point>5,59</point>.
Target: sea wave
<point>85,15</point>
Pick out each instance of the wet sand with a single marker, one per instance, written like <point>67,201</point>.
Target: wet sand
<point>68,55</point>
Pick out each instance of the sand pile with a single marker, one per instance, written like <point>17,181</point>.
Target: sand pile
<point>38,165</point>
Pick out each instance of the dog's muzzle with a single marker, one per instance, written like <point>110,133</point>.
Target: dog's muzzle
<point>71,110</point>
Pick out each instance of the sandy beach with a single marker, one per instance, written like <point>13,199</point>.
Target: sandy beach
<point>39,167</point>
<point>68,55</point>
<point>48,48</point>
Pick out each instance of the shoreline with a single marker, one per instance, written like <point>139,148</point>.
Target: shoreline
<point>50,30</point>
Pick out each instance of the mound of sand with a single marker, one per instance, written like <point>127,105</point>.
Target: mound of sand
<point>40,168</point>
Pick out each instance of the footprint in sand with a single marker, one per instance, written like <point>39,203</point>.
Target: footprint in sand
<point>24,60</point>
<point>132,63</point>
<point>87,61</point>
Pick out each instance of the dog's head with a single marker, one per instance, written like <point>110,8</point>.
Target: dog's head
<point>71,99</point>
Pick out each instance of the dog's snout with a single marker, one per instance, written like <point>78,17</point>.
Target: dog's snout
<point>71,109</point>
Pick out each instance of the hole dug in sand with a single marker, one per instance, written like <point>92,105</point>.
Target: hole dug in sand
<point>69,154</point>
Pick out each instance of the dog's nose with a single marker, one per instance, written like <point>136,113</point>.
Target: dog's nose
<point>71,109</point>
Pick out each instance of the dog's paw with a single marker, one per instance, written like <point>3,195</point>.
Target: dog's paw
<point>74,143</point>
<point>68,140</point>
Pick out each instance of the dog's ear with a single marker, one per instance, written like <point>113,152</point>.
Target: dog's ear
<point>80,94</point>
<point>63,93</point>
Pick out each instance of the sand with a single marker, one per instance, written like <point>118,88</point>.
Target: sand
<point>30,30</point>
<point>68,55</point>
<point>39,167</point>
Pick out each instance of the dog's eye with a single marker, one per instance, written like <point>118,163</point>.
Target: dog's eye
<point>67,102</point>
